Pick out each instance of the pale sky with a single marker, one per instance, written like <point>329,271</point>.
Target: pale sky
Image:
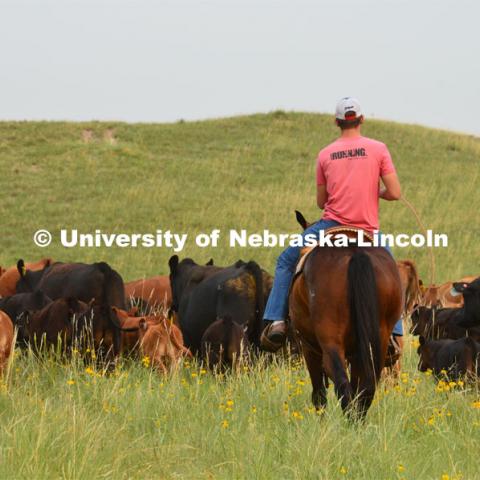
<point>415,61</point>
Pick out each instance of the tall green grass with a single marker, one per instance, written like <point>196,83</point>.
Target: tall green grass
<point>67,420</point>
<point>63,419</point>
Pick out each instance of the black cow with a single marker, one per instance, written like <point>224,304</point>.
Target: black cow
<point>469,315</point>
<point>456,357</point>
<point>17,305</point>
<point>201,294</point>
<point>453,323</point>
<point>98,282</point>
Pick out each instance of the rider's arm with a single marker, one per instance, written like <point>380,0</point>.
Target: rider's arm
<point>392,189</point>
<point>321,196</point>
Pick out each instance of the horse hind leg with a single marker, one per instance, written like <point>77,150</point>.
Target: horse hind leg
<point>364,391</point>
<point>317,376</point>
<point>334,366</point>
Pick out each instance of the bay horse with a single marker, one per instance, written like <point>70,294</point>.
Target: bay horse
<point>344,303</point>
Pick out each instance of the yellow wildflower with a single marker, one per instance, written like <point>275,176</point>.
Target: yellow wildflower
<point>225,424</point>
<point>343,470</point>
<point>70,382</point>
<point>400,468</point>
<point>297,415</point>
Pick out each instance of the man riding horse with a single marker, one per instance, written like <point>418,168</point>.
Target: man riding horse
<point>349,171</point>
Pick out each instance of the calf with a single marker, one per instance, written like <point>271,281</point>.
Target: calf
<point>162,343</point>
<point>130,323</point>
<point>223,343</point>
<point>435,324</point>
<point>456,357</point>
<point>17,305</point>
<point>63,320</point>
<point>6,340</point>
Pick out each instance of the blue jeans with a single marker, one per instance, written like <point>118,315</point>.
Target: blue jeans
<point>277,305</point>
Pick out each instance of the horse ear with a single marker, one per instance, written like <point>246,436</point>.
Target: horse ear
<point>21,268</point>
<point>301,219</point>
<point>173,263</point>
<point>133,312</point>
<point>210,262</point>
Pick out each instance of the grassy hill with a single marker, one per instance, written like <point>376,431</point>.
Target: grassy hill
<point>65,419</point>
<point>244,172</point>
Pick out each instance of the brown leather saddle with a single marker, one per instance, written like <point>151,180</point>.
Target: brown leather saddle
<point>352,233</point>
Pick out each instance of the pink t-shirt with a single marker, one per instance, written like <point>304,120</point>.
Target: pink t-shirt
<point>351,169</point>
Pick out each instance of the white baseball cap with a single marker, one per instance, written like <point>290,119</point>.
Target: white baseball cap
<point>348,108</point>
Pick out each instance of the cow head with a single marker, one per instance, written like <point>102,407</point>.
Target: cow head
<point>426,352</point>
<point>422,318</point>
<point>28,278</point>
<point>468,290</point>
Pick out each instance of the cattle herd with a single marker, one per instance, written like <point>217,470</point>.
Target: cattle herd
<point>207,311</point>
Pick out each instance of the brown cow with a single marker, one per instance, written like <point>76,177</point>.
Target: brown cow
<point>439,295</point>
<point>10,277</point>
<point>162,343</point>
<point>155,291</point>
<point>6,340</point>
<point>61,320</point>
<point>410,285</point>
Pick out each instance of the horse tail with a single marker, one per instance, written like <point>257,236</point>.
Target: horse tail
<point>254,330</point>
<point>364,313</point>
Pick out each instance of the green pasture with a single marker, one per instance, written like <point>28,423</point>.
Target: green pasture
<point>64,419</point>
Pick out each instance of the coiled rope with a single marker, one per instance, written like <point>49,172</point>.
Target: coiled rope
<point>422,227</point>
